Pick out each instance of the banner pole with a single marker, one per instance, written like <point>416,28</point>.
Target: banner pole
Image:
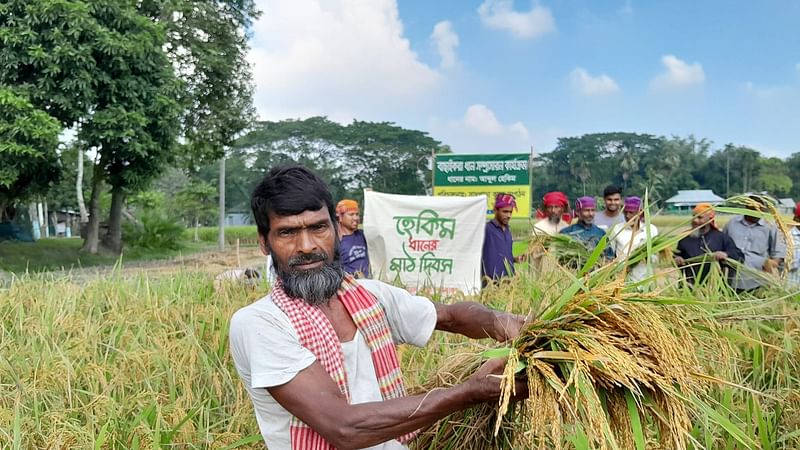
<point>530,179</point>
<point>433,169</point>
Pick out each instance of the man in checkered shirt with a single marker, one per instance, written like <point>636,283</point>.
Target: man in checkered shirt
<point>317,354</point>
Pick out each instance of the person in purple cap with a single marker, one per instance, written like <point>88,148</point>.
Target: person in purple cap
<point>497,260</point>
<point>628,236</point>
<point>584,230</point>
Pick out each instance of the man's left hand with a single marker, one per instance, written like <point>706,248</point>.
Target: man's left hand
<point>770,265</point>
<point>507,326</point>
<point>720,256</point>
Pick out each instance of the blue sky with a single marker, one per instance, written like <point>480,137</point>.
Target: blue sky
<point>501,76</point>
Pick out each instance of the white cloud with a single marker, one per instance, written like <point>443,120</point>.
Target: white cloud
<point>589,85</point>
<point>446,41</point>
<point>341,58</point>
<point>678,73</point>
<point>500,15</point>
<point>769,93</point>
<point>482,120</point>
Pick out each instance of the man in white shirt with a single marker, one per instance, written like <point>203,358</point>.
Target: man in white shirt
<point>317,355</point>
<point>626,237</point>
<point>612,214</point>
<point>555,205</point>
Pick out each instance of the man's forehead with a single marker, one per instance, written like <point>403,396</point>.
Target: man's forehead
<point>302,219</point>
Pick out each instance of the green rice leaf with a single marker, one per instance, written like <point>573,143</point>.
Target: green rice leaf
<point>729,427</point>
<point>636,423</point>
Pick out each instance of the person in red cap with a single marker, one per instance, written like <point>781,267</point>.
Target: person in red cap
<point>794,269</point>
<point>555,204</point>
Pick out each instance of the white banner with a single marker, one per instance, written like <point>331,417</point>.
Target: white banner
<point>425,241</point>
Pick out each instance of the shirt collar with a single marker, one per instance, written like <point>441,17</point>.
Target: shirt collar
<point>496,225</point>
<point>761,222</point>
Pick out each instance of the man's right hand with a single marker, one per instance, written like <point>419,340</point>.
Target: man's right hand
<point>680,261</point>
<point>485,383</point>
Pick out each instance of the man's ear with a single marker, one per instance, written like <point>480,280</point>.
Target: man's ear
<point>262,242</point>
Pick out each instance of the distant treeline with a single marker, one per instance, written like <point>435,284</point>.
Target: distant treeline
<point>636,162</point>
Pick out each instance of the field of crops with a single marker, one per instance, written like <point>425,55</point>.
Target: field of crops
<point>142,362</point>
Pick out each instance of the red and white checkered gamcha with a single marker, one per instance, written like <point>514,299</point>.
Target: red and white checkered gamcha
<point>317,335</point>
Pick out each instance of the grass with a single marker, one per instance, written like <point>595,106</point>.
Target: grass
<point>247,234</point>
<point>121,363</point>
<point>64,254</point>
<point>142,362</point>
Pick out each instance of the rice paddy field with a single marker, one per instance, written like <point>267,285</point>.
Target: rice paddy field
<point>140,360</point>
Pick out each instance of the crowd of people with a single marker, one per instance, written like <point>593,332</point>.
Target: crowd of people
<point>748,239</point>
<point>317,354</point>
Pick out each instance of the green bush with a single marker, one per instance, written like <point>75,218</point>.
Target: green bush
<point>155,230</point>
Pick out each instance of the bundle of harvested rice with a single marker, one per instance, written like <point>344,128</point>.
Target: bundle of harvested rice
<point>607,365</point>
<point>618,368</point>
<point>568,251</point>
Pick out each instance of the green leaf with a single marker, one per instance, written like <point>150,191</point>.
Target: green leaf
<point>636,423</point>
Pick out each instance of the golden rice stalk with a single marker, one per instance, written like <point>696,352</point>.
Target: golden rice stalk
<point>603,346</point>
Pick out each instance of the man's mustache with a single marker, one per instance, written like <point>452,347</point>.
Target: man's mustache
<point>307,258</point>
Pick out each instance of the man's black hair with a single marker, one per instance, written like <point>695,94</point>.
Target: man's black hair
<point>611,190</point>
<point>289,190</point>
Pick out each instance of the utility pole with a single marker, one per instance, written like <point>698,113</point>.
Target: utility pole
<point>222,203</point>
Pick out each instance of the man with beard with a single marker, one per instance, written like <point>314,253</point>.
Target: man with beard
<point>584,230</point>
<point>612,215</point>
<point>497,260</point>
<point>705,240</point>
<point>760,243</point>
<point>317,355</point>
<point>353,243</point>
<point>555,204</point>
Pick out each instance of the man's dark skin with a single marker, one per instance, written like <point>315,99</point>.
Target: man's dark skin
<point>613,202</point>
<point>554,213</point>
<point>314,397</point>
<point>502,217</point>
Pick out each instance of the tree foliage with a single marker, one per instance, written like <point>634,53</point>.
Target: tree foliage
<point>28,148</point>
<point>134,77</point>
<point>377,155</point>
<point>637,162</point>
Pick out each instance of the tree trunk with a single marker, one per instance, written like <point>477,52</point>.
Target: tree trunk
<point>92,242</point>
<point>45,216</point>
<point>79,189</point>
<point>196,229</point>
<point>221,236</point>
<point>113,240</point>
<point>34,216</point>
<point>42,220</point>
<point>54,222</point>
